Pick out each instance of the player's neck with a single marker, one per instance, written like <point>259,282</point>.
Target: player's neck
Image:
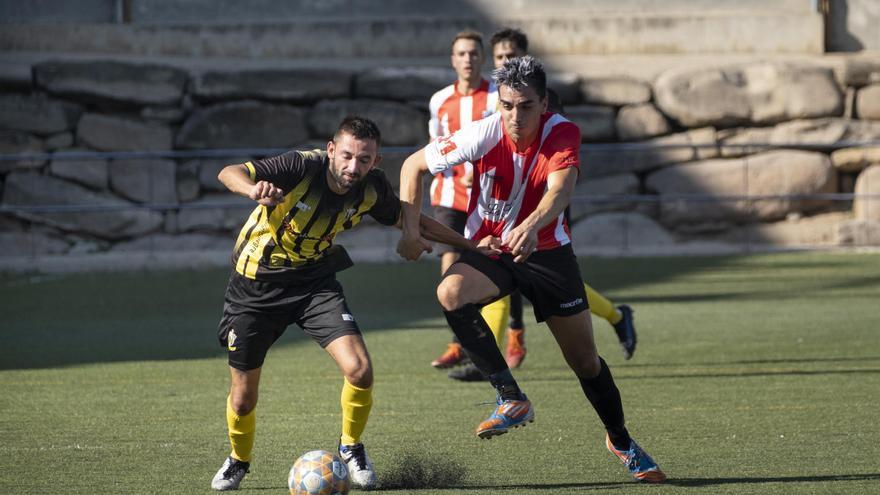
<point>466,86</point>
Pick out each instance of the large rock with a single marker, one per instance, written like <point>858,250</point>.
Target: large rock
<point>59,140</point>
<point>619,231</point>
<point>293,85</point>
<point>244,124</point>
<point>37,113</point>
<point>111,82</point>
<point>602,194</point>
<point>855,159</point>
<point>796,231</point>
<point>637,122</point>
<point>772,173</point>
<point>567,86</point>
<point>111,133</point>
<point>107,217</point>
<point>402,83</point>
<point>615,91</point>
<point>400,124</point>
<point>824,131</point>
<point>613,159</point>
<point>215,212</point>
<point>861,70</point>
<point>15,142</point>
<point>209,169</point>
<point>595,122</point>
<point>868,102</point>
<point>90,172</point>
<point>752,94</point>
<point>144,180</point>
<point>868,182</point>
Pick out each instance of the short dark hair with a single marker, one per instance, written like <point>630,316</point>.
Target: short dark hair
<point>513,35</point>
<point>468,35</point>
<point>360,128</point>
<point>520,72</point>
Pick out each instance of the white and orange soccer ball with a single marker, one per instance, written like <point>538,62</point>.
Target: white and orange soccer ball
<point>318,473</point>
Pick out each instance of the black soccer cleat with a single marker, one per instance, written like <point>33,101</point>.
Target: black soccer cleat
<point>626,331</point>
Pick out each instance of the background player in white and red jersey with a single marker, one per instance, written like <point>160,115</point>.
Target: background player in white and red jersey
<point>526,163</point>
<point>508,43</point>
<point>457,106</point>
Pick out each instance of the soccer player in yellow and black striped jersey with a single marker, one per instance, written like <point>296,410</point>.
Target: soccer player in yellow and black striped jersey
<point>285,265</point>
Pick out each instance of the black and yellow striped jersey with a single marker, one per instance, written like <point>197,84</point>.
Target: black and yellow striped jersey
<point>294,239</point>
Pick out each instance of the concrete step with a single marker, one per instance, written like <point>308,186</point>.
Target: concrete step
<point>422,35</point>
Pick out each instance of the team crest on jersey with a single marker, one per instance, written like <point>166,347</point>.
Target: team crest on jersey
<point>302,206</point>
<point>447,145</point>
<point>230,340</point>
<point>350,213</point>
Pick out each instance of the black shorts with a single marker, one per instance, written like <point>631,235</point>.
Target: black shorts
<point>256,313</point>
<point>550,279</point>
<point>453,219</point>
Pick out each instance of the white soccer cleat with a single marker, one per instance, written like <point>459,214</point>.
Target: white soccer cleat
<point>360,469</point>
<point>230,474</point>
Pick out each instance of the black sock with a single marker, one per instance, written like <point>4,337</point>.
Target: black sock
<point>516,310</point>
<point>479,344</point>
<point>605,398</point>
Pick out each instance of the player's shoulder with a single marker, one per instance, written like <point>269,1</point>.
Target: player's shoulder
<point>376,177</point>
<point>562,131</point>
<point>312,157</point>
<point>442,95</point>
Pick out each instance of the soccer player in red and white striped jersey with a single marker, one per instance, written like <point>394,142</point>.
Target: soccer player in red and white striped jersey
<point>526,163</point>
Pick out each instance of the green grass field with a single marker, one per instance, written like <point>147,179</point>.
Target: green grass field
<point>754,374</point>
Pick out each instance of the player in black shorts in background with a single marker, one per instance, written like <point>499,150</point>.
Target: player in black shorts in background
<point>285,272</point>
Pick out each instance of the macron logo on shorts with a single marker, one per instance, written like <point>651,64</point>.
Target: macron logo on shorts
<point>347,317</point>
<point>571,304</point>
<point>230,339</point>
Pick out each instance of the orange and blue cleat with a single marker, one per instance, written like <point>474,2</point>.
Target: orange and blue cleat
<point>509,414</point>
<point>639,463</point>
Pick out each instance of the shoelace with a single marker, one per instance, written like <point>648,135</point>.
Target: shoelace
<point>234,467</point>
<point>633,462</point>
<point>357,453</point>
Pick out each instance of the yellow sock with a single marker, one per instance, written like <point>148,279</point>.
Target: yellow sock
<point>496,315</point>
<point>241,432</point>
<point>356,405</point>
<point>602,307</point>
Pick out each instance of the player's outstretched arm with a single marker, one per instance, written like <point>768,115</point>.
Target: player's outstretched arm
<point>412,244</point>
<point>523,238</point>
<point>237,179</point>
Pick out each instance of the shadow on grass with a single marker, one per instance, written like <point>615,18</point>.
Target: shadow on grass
<point>696,482</point>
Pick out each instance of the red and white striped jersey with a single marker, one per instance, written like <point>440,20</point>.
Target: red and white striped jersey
<point>451,111</point>
<point>508,185</point>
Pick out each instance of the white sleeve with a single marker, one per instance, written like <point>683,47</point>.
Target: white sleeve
<point>465,145</point>
<point>435,127</point>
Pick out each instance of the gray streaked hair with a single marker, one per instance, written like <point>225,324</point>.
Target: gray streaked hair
<point>520,72</point>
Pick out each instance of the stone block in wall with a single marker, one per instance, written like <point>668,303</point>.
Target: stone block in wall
<point>861,70</point>
<point>795,231</point>
<point>595,122</point>
<point>113,133</point>
<point>858,233</point>
<point>605,188</point>
<point>60,140</point>
<point>615,91</point>
<point>90,172</point>
<point>742,141</point>
<point>14,142</point>
<point>117,220</point>
<point>400,124</point>
<point>618,230</point>
<point>188,187</point>
<point>176,243</point>
<point>778,172</point>
<point>31,243</point>
<point>402,83</point>
<point>825,131</point>
<point>162,115</point>
<point>145,180</point>
<point>695,144</point>
<point>209,168</point>
<point>567,86</point>
<point>868,102</point>
<point>638,122</point>
<point>868,182</point>
<point>290,85</point>
<point>37,113</point>
<point>762,93</point>
<point>244,124</point>
<point>111,82</point>
<point>855,159</point>
<point>215,212</point>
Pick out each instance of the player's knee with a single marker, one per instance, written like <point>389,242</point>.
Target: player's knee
<point>449,294</point>
<point>242,404</point>
<point>586,366</point>
<point>360,374</point>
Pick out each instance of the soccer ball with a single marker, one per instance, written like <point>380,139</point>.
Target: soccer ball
<point>318,473</point>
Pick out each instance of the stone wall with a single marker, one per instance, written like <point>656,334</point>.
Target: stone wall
<point>697,132</point>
